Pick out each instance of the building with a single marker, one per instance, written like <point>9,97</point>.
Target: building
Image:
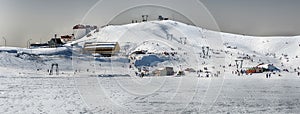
<point>39,45</point>
<point>80,31</point>
<point>254,70</point>
<point>55,42</point>
<point>268,67</point>
<point>52,43</point>
<point>67,38</point>
<point>167,71</point>
<point>262,68</point>
<point>162,18</point>
<point>102,48</point>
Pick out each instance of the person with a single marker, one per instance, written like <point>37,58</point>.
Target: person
<point>270,75</point>
<point>267,75</point>
<point>298,73</point>
<point>142,74</point>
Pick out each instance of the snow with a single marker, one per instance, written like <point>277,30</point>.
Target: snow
<point>37,51</point>
<point>149,60</point>
<point>88,84</point>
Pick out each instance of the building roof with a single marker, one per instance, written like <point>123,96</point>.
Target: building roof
<point>56,41</point>
<point>66,37</point>
<point>267,66</point>
<point>101,43</point>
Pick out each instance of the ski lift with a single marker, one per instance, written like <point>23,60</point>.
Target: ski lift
<point>51,70</point>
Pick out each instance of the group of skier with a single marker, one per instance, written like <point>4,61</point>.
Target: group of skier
<point>268,75</point>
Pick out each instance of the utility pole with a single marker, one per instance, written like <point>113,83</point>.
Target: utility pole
<point>181,40</point>
<point>4,41</point>
<point>28,43</point>
<point>239,65</point>
<point>169,36</point>
<point>205,50</point>
<point>55,40</point>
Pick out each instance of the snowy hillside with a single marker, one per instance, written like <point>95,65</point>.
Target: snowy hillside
<point>187,41</point>
<point>159,37</point>
<point>83,83</point>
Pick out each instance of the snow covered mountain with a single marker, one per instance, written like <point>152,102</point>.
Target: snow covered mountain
<point>183,46</point>
<point>178,45</point>
<point>93,84</point>
<point>188,41</point>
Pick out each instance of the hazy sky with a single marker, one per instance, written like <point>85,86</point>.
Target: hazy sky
<point>22,20</point>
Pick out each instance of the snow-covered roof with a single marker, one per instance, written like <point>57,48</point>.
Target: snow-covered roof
<point>268,66</point>
<point>100,46</point>
<point>36,51</point>
<point>93,45</point>
<point>101,43</point>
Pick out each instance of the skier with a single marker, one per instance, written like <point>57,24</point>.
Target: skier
<point>242,72</point>
<point>130,66</point>
<point>142,74</point>
<point>298,73</point>
<point>267,75</point>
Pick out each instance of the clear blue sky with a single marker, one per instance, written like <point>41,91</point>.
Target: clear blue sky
<point>40,19</point>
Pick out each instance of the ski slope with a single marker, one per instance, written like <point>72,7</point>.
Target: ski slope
<point>153,36</point>
<point>88,84</point>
